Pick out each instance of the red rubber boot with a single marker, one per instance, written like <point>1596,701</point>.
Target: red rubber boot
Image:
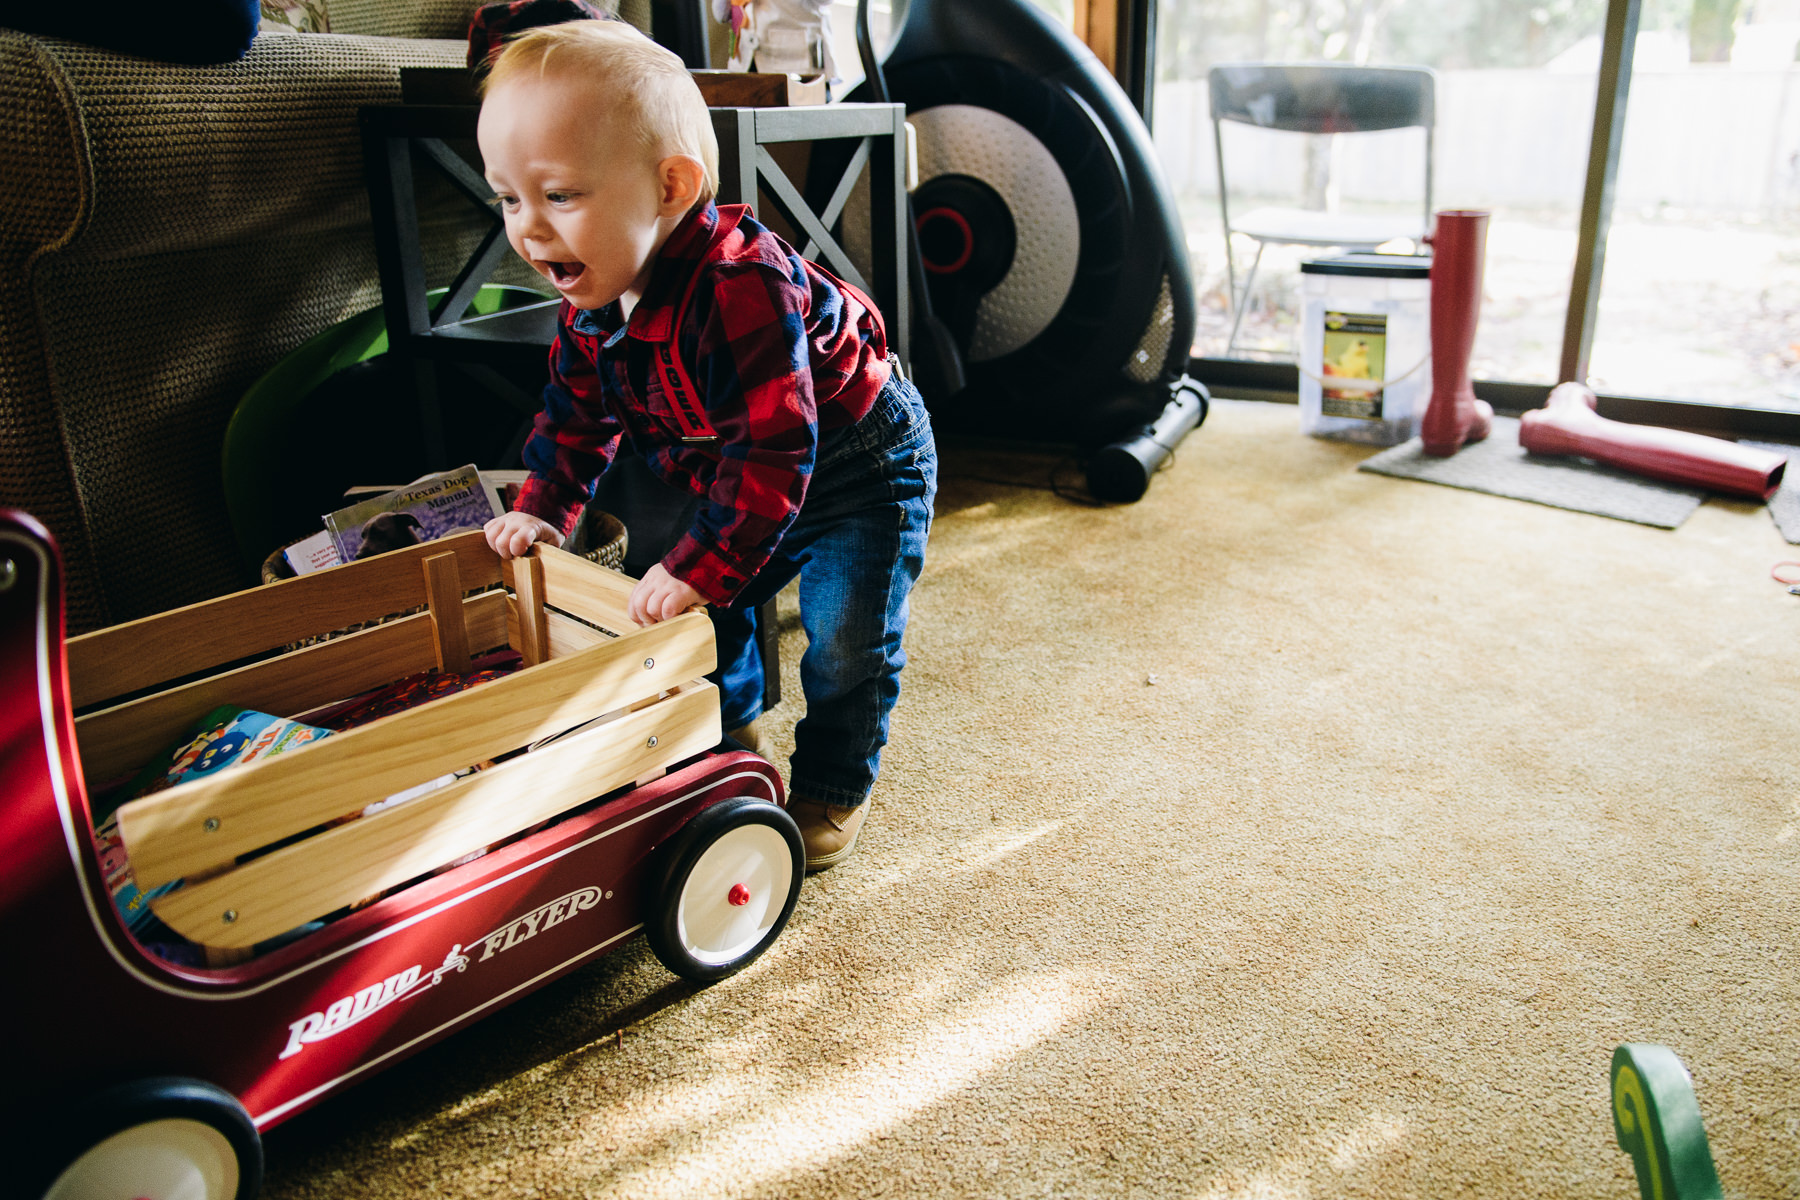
<point>1455,416</point>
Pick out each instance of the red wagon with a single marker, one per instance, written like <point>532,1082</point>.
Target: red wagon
<point>141,1077</point>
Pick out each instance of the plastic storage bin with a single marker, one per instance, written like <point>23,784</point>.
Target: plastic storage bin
<point>1365,342</point>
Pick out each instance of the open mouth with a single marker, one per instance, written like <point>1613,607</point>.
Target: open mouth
<point>563,274</point>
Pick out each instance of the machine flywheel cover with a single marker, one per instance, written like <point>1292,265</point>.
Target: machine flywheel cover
<point>962,139</point>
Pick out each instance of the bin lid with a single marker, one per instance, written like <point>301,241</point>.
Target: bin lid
<point>1383,266</point>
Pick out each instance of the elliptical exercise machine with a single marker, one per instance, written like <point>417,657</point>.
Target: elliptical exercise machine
<point>1053,293</point>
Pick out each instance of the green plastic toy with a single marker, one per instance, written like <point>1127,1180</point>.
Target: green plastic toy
<point>255,472</point>
<point>1657,1122</point>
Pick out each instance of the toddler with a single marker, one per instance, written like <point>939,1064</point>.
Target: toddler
<point>742,373</point>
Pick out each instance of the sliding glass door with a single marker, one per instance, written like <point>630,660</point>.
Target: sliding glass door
<point>1693,212</point>
<point>1700,299</point>
<point>1514,98</point>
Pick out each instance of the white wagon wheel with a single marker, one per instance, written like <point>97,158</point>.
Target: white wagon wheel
<point>158,1139</point>
<point>724,888</point>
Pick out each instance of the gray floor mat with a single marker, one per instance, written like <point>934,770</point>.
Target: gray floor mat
<point>1500,467</point>
<point>1784,505</point>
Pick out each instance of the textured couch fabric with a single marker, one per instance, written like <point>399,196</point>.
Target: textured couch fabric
<point>167,233</point>
<point>403,18</point>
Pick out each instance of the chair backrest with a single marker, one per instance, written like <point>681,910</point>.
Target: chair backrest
<point>1314,98</point>
<point>1322,97</point>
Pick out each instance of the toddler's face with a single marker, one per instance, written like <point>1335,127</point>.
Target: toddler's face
<point>581,204</point>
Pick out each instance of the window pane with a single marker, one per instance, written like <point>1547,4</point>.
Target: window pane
<point>884,17</point>
<point>1061,10</point>
<point>1701,294</point>
<point>1515,98</point>
<point>841,16</point>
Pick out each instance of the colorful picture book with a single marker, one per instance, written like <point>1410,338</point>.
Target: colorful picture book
<point>225,737</point>
<point>232,736</point>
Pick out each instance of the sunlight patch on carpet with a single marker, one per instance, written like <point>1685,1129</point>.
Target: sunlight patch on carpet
<point>976,858</point>
<point>1292,1178</point>
<point>817,1122</point>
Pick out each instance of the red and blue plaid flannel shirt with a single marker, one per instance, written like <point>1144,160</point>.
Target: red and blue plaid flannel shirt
<point>779,351</point>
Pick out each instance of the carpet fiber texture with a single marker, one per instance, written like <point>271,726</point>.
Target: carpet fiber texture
<point>1296,832</point>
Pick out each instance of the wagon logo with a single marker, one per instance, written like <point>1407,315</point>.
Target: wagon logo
<point>353,1009</point>
<point>523,929</point>
<point>404,985</point>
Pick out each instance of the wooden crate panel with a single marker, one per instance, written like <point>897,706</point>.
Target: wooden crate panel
<point>443,600</point>
<point>139,654</point>
<point>567,635</point>
<point>122,738</point>
<point>530,618</point>
<point>302,882</point>
<point>590,591</point>
<point>208,822</point>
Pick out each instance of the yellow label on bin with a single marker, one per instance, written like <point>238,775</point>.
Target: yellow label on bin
<point>1355,348</point>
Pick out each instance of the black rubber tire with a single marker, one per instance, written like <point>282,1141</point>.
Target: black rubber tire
<point>675,862</point>
<point>77,1129</point>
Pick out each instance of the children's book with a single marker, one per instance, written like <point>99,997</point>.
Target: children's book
<point>422,511</point>
<point>228,736</point>
<point>312,554</point>
<point>506,485</point>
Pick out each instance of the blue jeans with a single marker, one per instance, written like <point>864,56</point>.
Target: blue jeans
<point>858,545</point>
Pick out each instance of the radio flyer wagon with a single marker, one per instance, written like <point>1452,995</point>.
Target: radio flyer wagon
<point>138,1076</point>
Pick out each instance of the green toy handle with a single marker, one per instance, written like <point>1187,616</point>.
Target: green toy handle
<point>1657,1122</point>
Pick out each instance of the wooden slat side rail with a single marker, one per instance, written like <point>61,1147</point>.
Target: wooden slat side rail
<point>139,654</point>
<point>526,578</point>
<point>208,822</point>
<point>567,635</point>
<point>116,740</point>
<point>589,590</point>
<point>443,599</point>
<point>299,883</point>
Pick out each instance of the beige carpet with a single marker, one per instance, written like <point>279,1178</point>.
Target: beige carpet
<point>1294,832</point>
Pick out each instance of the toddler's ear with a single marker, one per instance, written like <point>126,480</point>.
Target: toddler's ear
<point>681,177</point>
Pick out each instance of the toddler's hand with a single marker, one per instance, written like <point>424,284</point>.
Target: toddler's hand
<point>512,535</point>
<point>659,596</point>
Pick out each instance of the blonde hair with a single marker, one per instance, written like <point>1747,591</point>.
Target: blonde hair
<point>640,85</point>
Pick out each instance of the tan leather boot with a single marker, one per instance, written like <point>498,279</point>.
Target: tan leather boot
<point>828,830</point>
<point>750,737</point>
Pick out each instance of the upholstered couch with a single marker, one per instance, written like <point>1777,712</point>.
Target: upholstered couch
<point>166,234</point>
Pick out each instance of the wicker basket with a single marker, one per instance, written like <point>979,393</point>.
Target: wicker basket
<point>600,538</point>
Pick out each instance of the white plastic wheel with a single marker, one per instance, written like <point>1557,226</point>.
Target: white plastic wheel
<point>169,1159</point>
<point>735,894</point>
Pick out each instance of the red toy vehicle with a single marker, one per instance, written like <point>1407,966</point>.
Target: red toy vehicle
<point>140,1077</point>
